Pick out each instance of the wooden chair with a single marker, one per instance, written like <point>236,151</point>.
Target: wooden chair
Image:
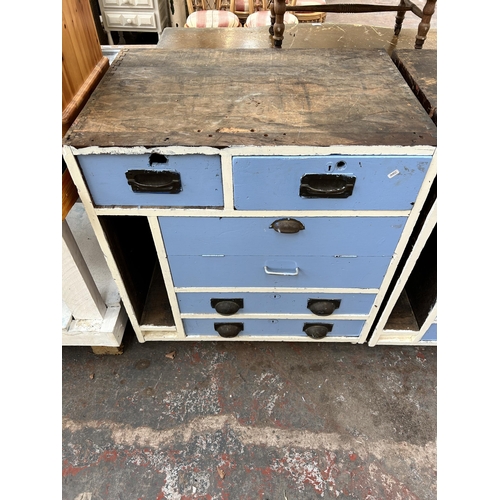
<point>309,17</point>
<point>280,7</point>
<point>211,14</point>
<point>425,15</point>
<point>243,8</point>
<point>260,15</point>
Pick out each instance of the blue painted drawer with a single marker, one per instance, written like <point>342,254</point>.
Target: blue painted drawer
<point>327,236</point>
<point>274,303</point>
<point>285,271</point>
<point>186,181</point>
<point>273,327</point>
<point>301,182</point>
<point>431,333</point>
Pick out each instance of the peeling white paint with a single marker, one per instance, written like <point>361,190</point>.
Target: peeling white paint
<point>258,150</point>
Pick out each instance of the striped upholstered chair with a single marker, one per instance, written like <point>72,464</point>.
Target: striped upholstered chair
<point>211,14</point>
<point>309,17</point>
<point>263,18</point>
<point>260,14</point>
<point>243,8</point>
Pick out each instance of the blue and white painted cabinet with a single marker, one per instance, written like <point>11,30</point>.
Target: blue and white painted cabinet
<point>241,212</point>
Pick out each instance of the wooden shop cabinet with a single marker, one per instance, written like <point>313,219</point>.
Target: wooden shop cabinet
<point>252,194</point>
<point>92,312</point>
<point>409,313</point>
<point>419,69</point>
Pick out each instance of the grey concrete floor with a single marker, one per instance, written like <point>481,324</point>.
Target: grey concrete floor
<point>222,420</point>
<point>238,421</point>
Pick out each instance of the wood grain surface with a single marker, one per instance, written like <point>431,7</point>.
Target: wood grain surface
<point>83,65</point>
<point>219,98</point>
<point>82,61</point>
<point>419,69</point>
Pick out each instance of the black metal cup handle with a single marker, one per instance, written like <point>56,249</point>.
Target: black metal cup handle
<point>154,181</point>
<point>287,225</point>
<point>323,307</point>
<point>228,330</point>
<point>227,307</point>
<point>336,190</point>
<point>141,185</point>
<point>317,330</point>
<point>326,186</point>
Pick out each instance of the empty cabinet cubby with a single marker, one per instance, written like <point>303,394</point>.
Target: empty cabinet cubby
<point>135,254</point>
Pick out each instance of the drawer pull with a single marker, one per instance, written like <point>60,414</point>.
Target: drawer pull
<point>322,307</point>
<point>317,330</point>
<point>326,186</point>
<point>227,307</point>
<point>228,330</point>
<point>287,226</point>
<point>152,181</point>
<point>292,272</point>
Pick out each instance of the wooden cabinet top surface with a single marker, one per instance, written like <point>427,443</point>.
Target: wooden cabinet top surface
<point>155,97</point>
<point>421,66</point>
<point>419,69</point>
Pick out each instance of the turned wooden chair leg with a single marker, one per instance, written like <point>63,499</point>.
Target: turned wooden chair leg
<point>399,18</point>
<point>425,24</point>
<point>273,17</point>
<point>278,9</point>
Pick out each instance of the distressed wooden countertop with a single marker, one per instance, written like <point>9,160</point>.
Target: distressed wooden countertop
<point>419,69</point>
<point>213,97</point>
